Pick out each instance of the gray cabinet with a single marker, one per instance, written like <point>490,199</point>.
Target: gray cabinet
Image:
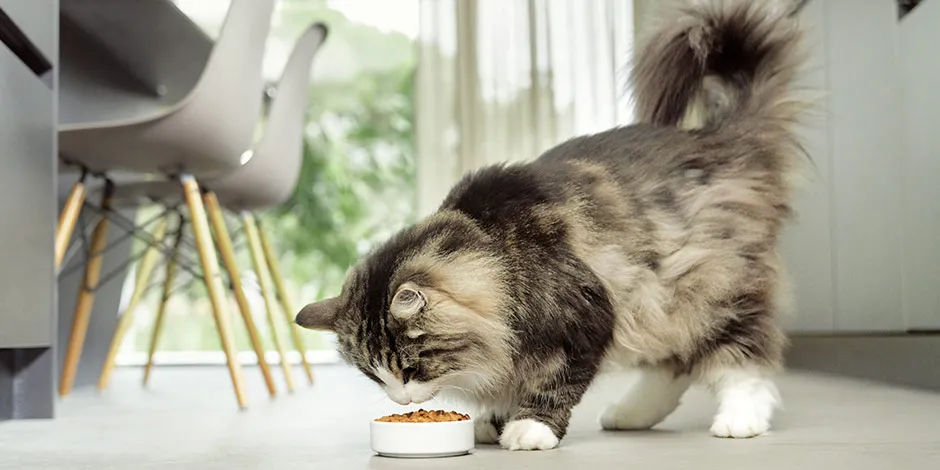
<point>920,139</point>
<point>865,250</point>
<point>864,109</point>
<point>806,246</point>
<point>27,206</point>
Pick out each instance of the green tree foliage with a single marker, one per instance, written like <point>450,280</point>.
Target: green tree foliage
<point>357,182</point>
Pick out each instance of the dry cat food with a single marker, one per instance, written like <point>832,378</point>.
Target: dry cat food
<point>422,416</point>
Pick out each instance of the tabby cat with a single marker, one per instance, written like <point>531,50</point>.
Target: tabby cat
<point>651,247</point>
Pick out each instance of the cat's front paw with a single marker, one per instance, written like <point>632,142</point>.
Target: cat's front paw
<point>485,432</point>
<point>528,434</point>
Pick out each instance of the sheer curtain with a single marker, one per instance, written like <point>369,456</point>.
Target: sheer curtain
<point>504,80</point>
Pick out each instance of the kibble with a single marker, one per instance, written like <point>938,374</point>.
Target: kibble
<point>422,416</point>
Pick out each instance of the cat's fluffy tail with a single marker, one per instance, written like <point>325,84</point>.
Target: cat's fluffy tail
<point>736,59</point>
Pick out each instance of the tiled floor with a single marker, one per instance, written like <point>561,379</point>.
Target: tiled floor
<point>187,419</point>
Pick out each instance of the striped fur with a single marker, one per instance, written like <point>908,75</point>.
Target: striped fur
<point>648,246</point>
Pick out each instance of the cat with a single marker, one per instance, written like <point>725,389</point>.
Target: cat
<point>651,247</point>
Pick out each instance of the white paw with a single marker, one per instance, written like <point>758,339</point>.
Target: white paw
<point>747,403</point>
<point>527,434</point>
<point>739,424</point>
<point>485,433</point>
<point>617,417</point>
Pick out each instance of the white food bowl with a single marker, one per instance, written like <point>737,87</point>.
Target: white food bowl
<point>422,440</point>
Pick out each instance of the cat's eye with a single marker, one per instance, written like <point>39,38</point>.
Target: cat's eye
<point>407,302</point>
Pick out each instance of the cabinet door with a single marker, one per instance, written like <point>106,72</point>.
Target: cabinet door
<point>27,206</point>
<point>806,248</point>
<point>920,104</point>
<point>865,113</point>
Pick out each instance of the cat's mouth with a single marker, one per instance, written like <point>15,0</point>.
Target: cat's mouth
<point>412,392</point>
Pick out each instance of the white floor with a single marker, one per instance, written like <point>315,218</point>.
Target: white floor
<point>187,419</point>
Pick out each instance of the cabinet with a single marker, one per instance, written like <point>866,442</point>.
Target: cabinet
<point>27,208</point>
<point>806,244</point>
<point>920,137</point>
<point>864,252</point>
<point>27,205</point>
<point>865,112</point>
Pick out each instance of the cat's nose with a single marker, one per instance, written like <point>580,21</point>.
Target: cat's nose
<point>398,395</point>
<point>403,401</point>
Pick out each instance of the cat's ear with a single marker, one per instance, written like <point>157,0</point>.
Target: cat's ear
<point>408,301</point>
<point>318,315</point>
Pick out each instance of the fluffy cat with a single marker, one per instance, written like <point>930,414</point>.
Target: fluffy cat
<point>648,246</point>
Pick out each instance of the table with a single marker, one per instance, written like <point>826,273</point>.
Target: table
<point>126,58</point>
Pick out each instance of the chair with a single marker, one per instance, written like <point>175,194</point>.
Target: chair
<point>204,134</point>
<point>267,179</point>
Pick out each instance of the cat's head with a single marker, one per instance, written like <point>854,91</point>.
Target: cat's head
<point>423,312</point>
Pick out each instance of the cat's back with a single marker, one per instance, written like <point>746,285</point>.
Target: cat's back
<point>506,195</point>
<point>637,147</point>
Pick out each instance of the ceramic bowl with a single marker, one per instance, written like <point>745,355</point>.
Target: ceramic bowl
<point>422,440</point>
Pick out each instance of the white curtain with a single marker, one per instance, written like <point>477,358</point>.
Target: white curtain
<point>504,80</point>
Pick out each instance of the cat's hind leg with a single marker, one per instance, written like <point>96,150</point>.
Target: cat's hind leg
<point>747,399</point>
<point>650,399</point>
<point>738,372</point>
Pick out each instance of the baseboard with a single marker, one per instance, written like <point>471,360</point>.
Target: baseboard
<point>907,360</point>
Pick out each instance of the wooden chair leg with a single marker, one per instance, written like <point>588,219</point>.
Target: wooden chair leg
<point>210,270</point>
<point>144,273</point>
<point>67,220</point>
<point>257,257</point>
<point>168,279</point>
<point>224,241</point>
<point>86,298</point>
<point>286,304</point>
